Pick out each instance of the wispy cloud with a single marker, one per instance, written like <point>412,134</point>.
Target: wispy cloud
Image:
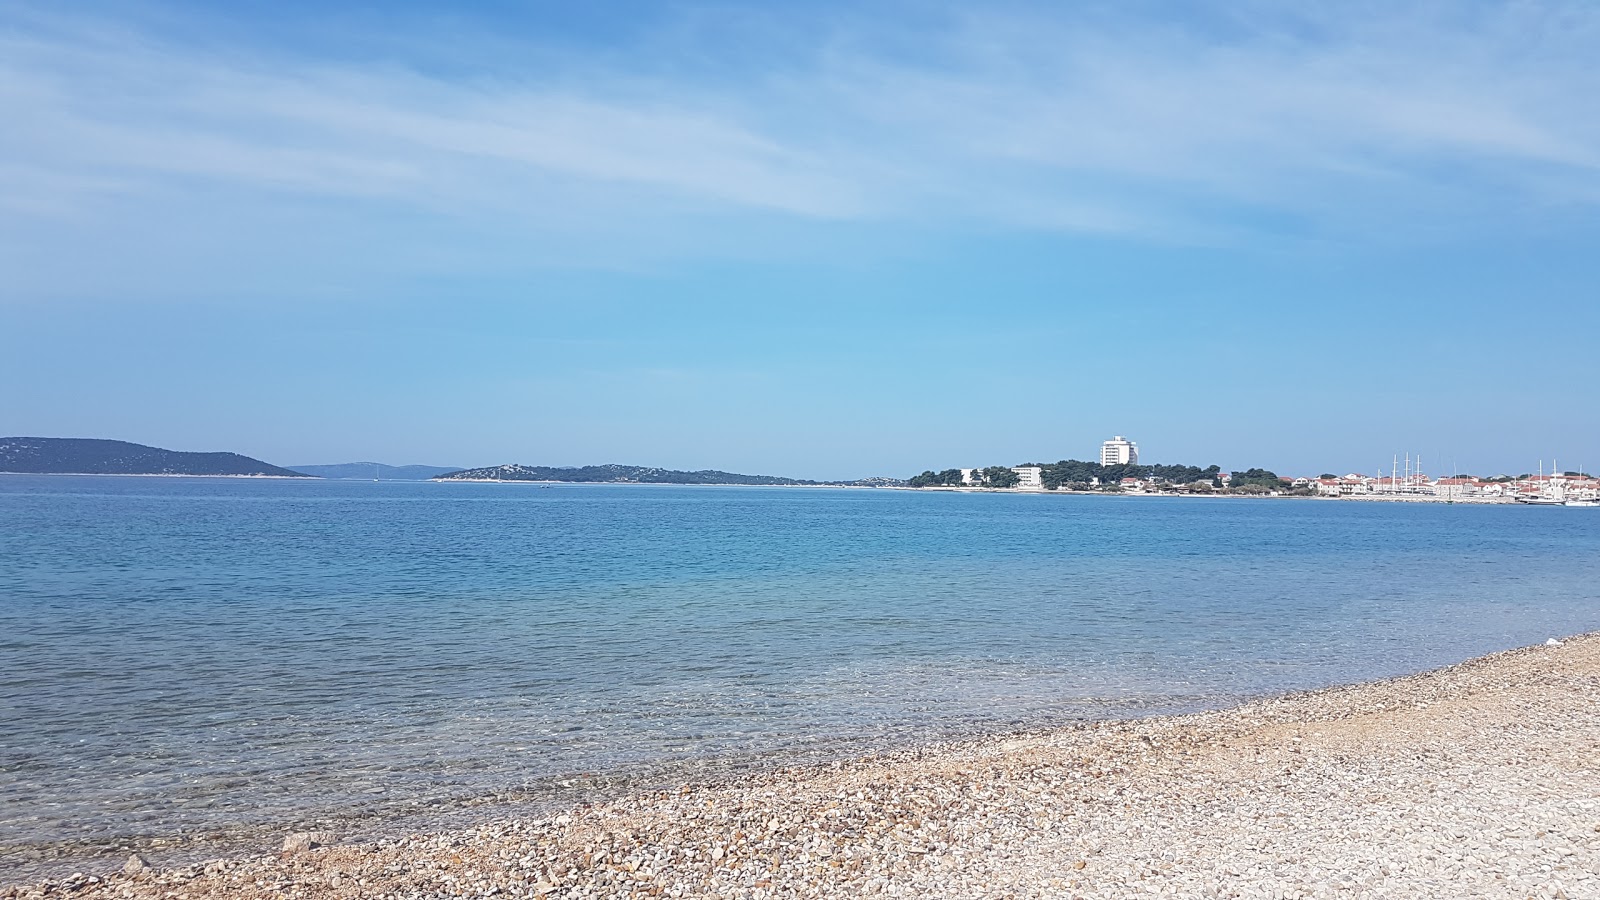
<point>1290,115</point>
<point>115,106</point>
<point>1101,121</point>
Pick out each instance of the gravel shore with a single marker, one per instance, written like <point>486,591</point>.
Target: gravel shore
<point>1479,780</point>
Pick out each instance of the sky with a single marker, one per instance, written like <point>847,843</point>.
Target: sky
<point>825,240</point>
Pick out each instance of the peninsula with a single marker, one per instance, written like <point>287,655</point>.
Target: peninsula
<point>92,456</point>
<point>1119,471</point>
<point>371,471</point>
<point>619,474</point>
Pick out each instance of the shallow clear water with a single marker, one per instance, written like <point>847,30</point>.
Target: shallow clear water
<point>195,655</point>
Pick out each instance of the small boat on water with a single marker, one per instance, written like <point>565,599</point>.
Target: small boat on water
<point>1582,503</point>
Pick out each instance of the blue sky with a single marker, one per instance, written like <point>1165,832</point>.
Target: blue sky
<point>824,240</point>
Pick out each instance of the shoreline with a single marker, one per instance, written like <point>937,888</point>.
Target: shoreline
<point>547,481</point>
<point>1178,495</point>
<point>1465,762</point>
<point>166,475</point>
<point>949,489</point>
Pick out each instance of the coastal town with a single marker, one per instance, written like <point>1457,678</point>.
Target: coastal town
<point>1118,471</point>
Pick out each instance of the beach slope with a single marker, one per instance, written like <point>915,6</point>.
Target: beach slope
<point>1479,780</point>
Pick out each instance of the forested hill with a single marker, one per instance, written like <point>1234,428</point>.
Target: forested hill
<point>613,474</point>
<point>89,456</point>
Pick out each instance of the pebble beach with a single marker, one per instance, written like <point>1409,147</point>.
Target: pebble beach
<point>1477,780</point>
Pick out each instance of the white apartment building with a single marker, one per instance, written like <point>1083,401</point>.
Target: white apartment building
<point>1029,478</point>
<point>1119,451</point>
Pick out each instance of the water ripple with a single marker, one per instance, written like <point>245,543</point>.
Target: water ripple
<point>194,657</point>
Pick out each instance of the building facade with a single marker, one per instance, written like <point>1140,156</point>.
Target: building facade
<point>1119,451</point>
<point>1029,478</point>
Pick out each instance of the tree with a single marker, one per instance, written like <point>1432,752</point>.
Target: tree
<point>1256,478</point>
<point>1000,476</point>
<point>1068,472</point>
<point>931,478</point>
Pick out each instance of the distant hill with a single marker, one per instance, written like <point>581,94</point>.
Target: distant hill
<point>89,456</point>
<point>613,474</point>
<point>367,471</point>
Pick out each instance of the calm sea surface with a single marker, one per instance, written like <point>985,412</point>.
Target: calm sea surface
<point>198,658</point>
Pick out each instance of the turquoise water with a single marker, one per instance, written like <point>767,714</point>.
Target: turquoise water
<point>211,656</point>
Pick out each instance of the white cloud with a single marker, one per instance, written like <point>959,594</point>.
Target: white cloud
<point>1175,110</point>
<point>1339,115</point>
<point>344,130</point>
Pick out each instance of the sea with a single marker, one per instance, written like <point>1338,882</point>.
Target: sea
<point>200,665</point>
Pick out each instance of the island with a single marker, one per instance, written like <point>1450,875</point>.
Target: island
<point>619,474</point>
<point>92,456</point>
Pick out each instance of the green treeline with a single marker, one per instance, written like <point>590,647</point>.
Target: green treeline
<point>1257,478</point>
<point>1075,474</point>
<point>993,476</point>
<point>1000,476</point>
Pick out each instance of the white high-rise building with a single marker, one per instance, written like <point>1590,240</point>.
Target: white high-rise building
<point>1119,451</point>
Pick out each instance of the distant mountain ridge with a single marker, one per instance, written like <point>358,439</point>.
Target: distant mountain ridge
<point>93,456</point>
<point>369,471</point>
<point>619,474</point>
